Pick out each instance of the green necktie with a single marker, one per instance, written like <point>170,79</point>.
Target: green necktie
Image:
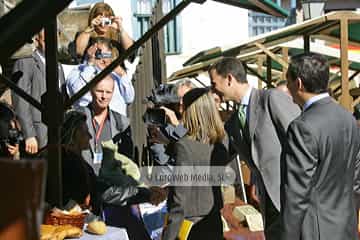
<point>242,115</point>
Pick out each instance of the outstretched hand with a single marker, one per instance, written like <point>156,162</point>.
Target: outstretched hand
<point>158,195</point>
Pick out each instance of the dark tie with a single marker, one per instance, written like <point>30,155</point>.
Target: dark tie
<point>242,115</point>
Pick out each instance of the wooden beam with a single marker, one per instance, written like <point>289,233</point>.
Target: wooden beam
<point>338,15</point>
<point>261,5</point>
<point>268,69</point>
<point>345,99</point>
<point>269,53</point>
<point>260,61</point>
<point>333,39</point>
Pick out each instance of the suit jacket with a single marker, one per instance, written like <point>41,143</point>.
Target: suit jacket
<point>270,113</point>
<point>118,124</point>
<point>32,82</point>
<point>318,172</point>
<point>193,202</point>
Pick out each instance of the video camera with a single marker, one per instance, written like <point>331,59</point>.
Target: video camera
<point>162,96</point>
<point>14,137</point>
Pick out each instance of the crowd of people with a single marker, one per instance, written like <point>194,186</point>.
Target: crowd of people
<point>303,148</point>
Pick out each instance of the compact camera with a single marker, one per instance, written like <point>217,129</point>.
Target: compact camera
<point>105,21</point>
<point>100,55</point>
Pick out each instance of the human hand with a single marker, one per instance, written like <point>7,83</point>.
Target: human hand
<point>116,22</point>
<point>171,116</point>
<point>156,136</point>
<point>158,195</point>
<point>119,71</point>
<point>31,145</point>
<point>96,21</point>
<point>252,194</point>
<point>13,149</point>
<point>91,53</point>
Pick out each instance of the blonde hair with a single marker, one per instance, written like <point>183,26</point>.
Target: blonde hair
<point>202,120</point>
<point>98,9</point>
<point>103,8</point>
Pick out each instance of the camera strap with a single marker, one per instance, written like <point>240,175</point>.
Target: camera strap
<point>101,126</point>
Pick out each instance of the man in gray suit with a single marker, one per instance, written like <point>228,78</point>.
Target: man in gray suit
<point>33,82</point>
<point>319,161</point>
<point>257,131</point>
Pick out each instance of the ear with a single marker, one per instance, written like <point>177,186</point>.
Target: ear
<point>299,84</point>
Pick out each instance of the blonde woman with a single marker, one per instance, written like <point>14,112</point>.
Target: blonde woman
<point>202,146</point>
<point>102,22</point>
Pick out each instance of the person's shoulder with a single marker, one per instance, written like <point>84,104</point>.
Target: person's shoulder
<point>185,141</point>
<point>274,94</point>
<point>122,121</point>
<point>28,59</point>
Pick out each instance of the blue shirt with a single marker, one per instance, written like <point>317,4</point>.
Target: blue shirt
<point>316,98</point>
<point>124,92</point>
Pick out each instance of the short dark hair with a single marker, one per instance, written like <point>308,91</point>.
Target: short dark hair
<point>312,69</point>
<point>230,65</point>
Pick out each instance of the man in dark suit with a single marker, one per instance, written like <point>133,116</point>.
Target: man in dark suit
<point>257,131</point>
<point>33,82</point>
<point>319,161</point>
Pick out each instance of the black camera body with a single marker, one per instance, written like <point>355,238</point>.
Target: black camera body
<point>162,96</point>
<point>100,55</point>
<point>13,137</point>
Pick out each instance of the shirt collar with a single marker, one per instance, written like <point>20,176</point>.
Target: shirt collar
<point>42,58</point>
<point>313,99</point>
<point>246,99</point>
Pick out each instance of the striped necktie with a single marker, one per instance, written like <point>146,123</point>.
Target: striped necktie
<point>242,115</point>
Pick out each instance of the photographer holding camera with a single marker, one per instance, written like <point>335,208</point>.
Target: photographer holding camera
<point>102,22</point>
<point>164,123</point>
<point>10,134</point>
<point>99,55</point>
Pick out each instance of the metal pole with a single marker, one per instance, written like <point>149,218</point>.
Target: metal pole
<point>19,91</point>
<point>52,100</point>
<point>241,179</point>
<point>129,51</point>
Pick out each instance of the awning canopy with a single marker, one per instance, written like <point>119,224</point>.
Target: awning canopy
<point>264,6</point>
<point>326,27</point>
<point>335,27</point>
<point>293,47</point>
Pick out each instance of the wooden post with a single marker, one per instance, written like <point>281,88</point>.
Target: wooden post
<point>345,99</point>
<point>53,115</point>
<point>268,69</point>
<point>306,43</point>
<point>260,61</point>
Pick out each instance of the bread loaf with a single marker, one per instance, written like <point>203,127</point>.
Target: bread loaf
<point>97,227</point>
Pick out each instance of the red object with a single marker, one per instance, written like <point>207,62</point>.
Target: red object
<point>237,230</point>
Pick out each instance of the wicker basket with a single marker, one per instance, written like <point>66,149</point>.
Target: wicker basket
<point>56,218</point>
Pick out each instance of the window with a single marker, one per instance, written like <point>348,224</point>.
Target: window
<point>261,23</point>
<point>172,31</point>
<point>142,14</point>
